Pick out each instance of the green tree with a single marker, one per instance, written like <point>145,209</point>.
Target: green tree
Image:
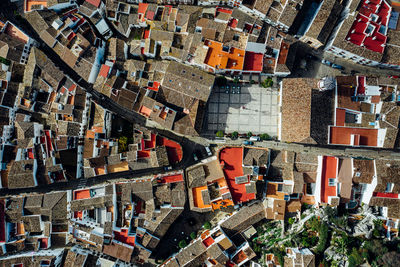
<point>5,61</point>
<point>291,220</point>
<point>220,134</point>
<point>193,235</point>
<point>122,144</point>
<point>355,258</point>
<point>323,238</point>
<point>207,225</point>
<point>249,134</point>
<point>182,243</point>
<point>236,80</point>
<point>265,136</point>
<point>235,135</point>
<point>267,82</point>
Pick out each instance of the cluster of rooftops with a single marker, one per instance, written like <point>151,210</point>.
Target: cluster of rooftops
<point>162,66</point>
<point>124,222</point>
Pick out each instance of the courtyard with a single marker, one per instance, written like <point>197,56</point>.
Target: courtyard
<point>254,109</point>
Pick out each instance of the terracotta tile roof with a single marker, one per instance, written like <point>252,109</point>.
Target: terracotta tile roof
<point>296,109</point>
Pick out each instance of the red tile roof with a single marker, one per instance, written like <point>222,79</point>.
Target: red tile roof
<point>224,10</point>
<point>232,160</point>
<point>374,17</point>
<point>340,116</point>
<point>96,3</point>
<point>385,195</point>
<point>172,179</point>
<point>208,241</point>
<point>233,23</point>
<point>253,61</point>
<point>343,135</point>
<point>329,170</point>
<point>174,150</point>
<point>104,70</point>
<point>124,238</point>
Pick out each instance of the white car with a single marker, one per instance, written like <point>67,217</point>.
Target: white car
<point>208,151</point>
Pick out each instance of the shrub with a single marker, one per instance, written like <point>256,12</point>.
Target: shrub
<point>182,243</point>
<point>265,136</point>
<point>267,82</point>
<point>249,134</point>
<point>280,254</point>
<point>323,238</point>
<point>207,225</point>
<point>235,135</point>
<point>291,220</point>
<point>122,144</point>
<point>193,235</point>
<point>5,61</point>
<point>355,258</point>
<point>220,134</point>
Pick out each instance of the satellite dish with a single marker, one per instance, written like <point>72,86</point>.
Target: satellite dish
<point>327,83</point>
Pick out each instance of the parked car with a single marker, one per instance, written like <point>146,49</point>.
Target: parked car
<point>336,66</point>
<point>233,89</point>
<point>326,62</point>
<point>255,138</point>
<point>167,168</point>
<point>208,151</point>
<point>248,143</point>
<point>227,90</point>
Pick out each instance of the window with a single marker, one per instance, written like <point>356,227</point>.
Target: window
<point>310,189</point>
<point>332,182</point>
<point>280,187</point>
<point>389,187</point>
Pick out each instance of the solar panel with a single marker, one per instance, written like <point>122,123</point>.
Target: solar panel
<point>393,20</point>
<point>241,179</point>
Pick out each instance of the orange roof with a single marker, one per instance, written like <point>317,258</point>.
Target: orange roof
<point>216,205</point>
<point>283,53</point>
<point>363,136</point>
<point>142,8</point>
<point>198,199</point>
<point>220,59</point>
<point>145,111</point>
<point>104,70</point>
<point>82,194</point>
<point>100,170</point>
<point>30,3</point>
<point>329,170</point>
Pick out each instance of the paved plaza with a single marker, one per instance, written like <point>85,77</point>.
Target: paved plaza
<point>255,109</point>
